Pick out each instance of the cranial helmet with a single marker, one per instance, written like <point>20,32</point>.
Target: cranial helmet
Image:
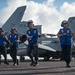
<point>29,22</point>
<point>64,22</point>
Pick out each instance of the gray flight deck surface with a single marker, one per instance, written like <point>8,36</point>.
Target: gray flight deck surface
<point>53,67</point>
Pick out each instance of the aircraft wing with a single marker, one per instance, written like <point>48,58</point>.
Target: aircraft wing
<point>41,46</point>
<point>46,48</point>
<point>22,50</point>
<point>51,34</point>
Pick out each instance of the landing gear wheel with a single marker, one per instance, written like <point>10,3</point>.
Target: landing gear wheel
<point>22,58</point>
<point>46,58</point>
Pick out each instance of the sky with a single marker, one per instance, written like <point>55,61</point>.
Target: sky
<point>48,13</point>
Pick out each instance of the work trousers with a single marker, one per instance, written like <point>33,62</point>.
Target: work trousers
<point>13,53</point>
<point>3,52</point>
<point>33,52</point>
<point>66,53</point>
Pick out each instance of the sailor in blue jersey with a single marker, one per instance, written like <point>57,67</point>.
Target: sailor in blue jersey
<point>65,34</point>
<point>3,39</point>
<point>14,41</point>
<point>32,36</point>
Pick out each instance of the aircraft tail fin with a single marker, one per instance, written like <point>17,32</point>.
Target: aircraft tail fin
<point>14,19</point>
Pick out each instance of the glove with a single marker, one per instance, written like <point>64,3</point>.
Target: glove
<point>34,36</point>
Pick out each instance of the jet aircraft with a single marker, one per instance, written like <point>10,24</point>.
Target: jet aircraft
<point>15,21</point>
